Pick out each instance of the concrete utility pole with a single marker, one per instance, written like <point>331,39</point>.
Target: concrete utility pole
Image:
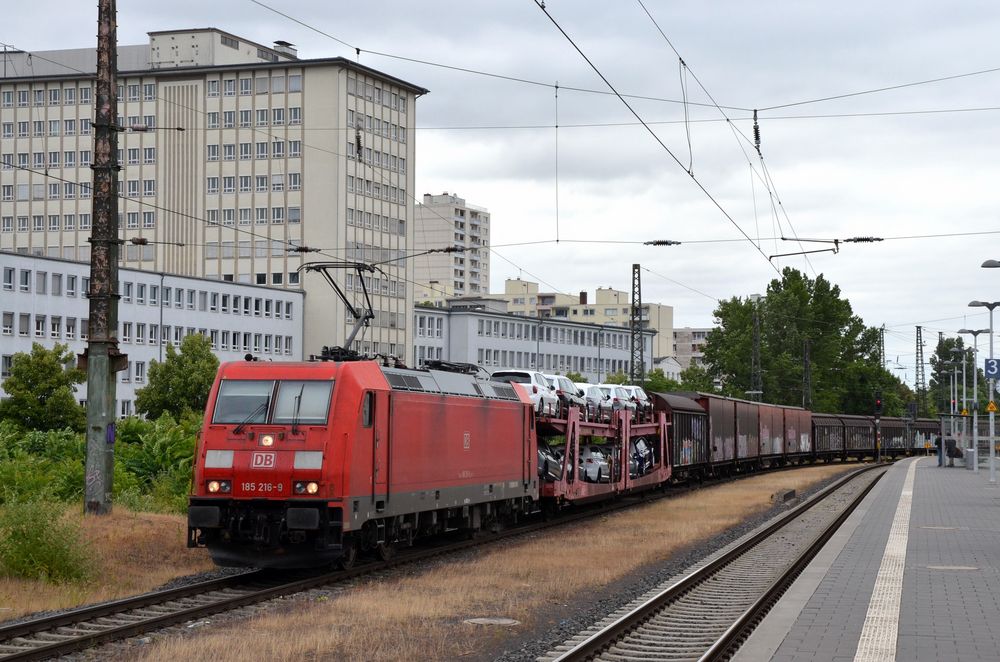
<point>101,358</point>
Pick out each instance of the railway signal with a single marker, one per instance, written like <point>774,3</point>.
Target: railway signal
<point>878,403</point>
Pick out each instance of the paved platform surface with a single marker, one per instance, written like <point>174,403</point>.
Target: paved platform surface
<point>914,570</point>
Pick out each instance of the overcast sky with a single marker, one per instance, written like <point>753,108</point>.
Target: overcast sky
<point>871,171</point>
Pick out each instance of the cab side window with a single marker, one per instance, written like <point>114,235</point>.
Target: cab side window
<point>368,409</point>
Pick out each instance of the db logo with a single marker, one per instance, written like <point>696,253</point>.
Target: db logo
<point>263,460</point>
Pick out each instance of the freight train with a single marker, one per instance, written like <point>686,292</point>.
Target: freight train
<point>312,463</point>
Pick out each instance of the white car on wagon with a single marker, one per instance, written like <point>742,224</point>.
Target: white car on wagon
<point>542,395</point>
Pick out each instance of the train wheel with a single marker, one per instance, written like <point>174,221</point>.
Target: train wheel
<point>350,553</point>
<point>384,551</point>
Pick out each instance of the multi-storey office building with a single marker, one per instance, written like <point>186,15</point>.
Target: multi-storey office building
<point>233,154</point>
<point>448,220</point>
<point>689,345</point>
<point>44,300</point>
<point>610,308</point>
<point>483,332</point>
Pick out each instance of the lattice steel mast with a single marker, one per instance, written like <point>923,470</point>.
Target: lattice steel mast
<point>637,366</point>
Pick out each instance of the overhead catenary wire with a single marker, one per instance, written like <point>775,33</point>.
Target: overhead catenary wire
<point>718,205</point>
<point>768,183</point>
<point>478,72</point>
<point>886,88</point>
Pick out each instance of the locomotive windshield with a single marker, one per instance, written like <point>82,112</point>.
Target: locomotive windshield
<point>246,402</point>
<point>300,402</point>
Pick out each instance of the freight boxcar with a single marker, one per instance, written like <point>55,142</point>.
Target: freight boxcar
<point>894,437</point>
<point>926,430</point>
<point>747,432</point>
<point>859,436</point>
<point>687,431</point>
<point>798,431</point>
<point>721,426</point>
<point>772,432</point>
<point>828,436</point>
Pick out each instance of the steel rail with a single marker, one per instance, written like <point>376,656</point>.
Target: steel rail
<point>50,626</point>
<point>597,642</point>
<point>54,643</point>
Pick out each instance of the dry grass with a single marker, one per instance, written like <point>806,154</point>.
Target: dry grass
<point>419,617</point>
<point>132,553</point>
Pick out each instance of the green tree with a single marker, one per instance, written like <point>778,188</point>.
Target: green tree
<point>180,383</point>
<point>41,389</point>
<point>575,377</point>
<point>657,382</point>
<point>797,317</point>
<point>616,378</point>
<point>697,378</point>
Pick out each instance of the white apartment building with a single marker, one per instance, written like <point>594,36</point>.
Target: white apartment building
<point>232,155</point>
<point>44,300</point>
<point>448,220</point>
<point>482,331</point>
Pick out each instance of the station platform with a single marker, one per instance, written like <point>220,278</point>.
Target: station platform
<point>914,574</point>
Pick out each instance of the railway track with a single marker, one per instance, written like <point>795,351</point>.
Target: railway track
<point>91,626</point>
<point>709,613</point>
<point>86,627</point>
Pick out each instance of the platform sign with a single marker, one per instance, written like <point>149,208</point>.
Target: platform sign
<point>992,368</point>
<point>992,407</point>
<point>965,412</point>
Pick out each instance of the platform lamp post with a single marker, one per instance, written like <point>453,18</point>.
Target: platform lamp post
<point>960,360</point>
<point>975,390</point>
<point>992,382</point>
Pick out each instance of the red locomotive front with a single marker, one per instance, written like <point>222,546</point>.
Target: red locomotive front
<point>303,464</point>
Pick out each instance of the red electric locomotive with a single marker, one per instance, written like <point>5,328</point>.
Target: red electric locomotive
<point>308,463</point>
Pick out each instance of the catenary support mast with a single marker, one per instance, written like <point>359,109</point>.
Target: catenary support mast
<point>101,358</point>
<point>637,366</point>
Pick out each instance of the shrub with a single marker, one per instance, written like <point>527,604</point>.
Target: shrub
<point>24,478</point>
<point>37,541</point>
<point>165,448</point>
<point>128,430</point>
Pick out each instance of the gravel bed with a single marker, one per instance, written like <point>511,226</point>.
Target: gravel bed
<point>565,621</point>
<point>532,640</point>
<point>177,582</point>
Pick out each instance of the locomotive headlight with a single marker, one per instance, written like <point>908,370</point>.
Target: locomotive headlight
<point>213,486</point>
<point>224,486</point>
<point>301,487</point>
<point>267,440</point>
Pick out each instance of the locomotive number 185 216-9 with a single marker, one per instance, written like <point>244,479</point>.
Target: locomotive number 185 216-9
<point>262,488</point>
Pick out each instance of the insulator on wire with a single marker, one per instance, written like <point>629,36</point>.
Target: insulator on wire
<point>756,131</point>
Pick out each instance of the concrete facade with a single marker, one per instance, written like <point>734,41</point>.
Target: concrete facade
<point>610,307</point>
<point>689,345</point>
<point>267,162</point>
<point>43,300</point>
<point>484,332</point>
<point>448,220</point>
